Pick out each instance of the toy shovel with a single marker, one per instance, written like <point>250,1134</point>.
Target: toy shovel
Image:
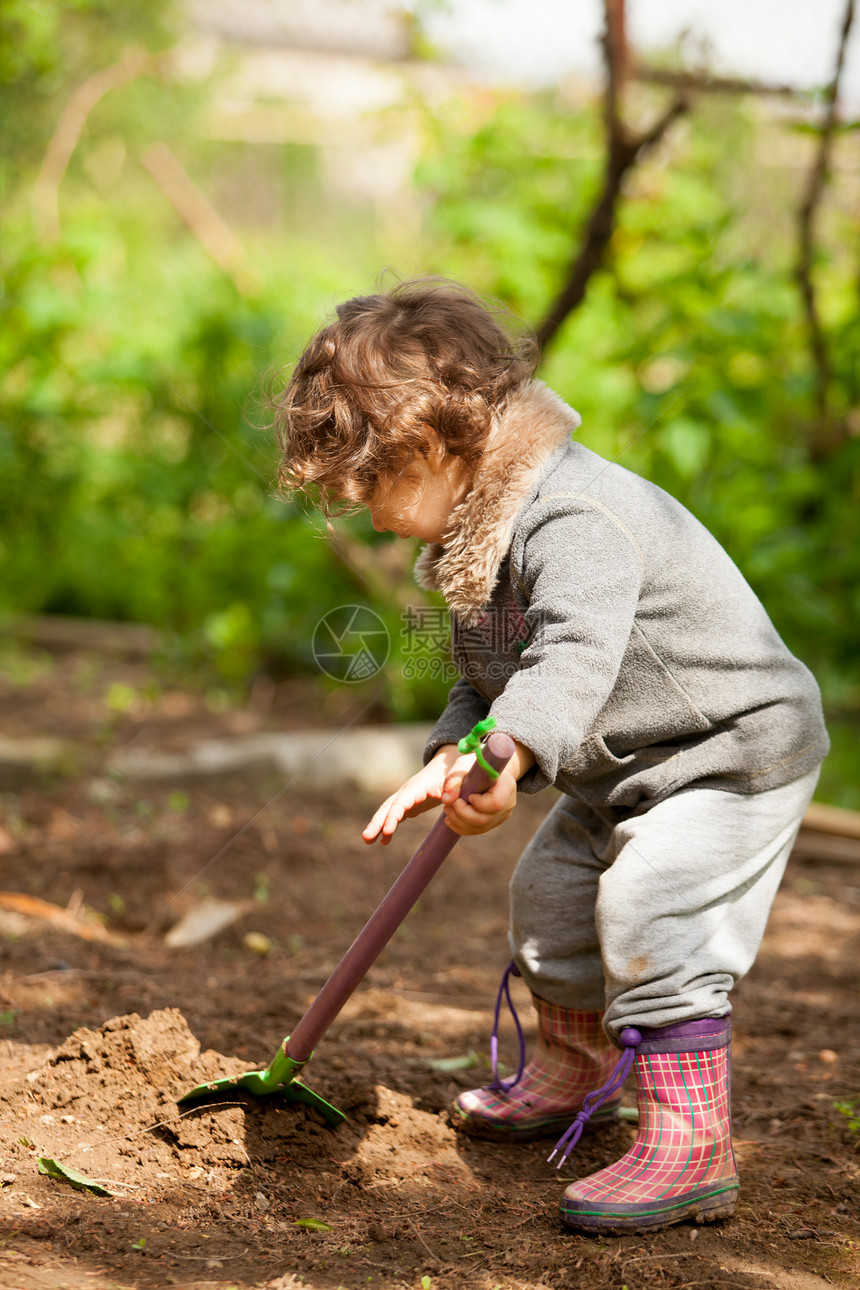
<point>281,1075</point>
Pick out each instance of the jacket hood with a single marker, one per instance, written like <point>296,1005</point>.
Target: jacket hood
<point>530,427</point>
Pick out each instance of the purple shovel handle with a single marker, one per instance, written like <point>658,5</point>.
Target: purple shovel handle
<point>384,922</point>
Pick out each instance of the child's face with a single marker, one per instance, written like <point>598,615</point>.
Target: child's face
<point>418,502</point>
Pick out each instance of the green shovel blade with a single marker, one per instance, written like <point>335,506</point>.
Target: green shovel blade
<point>280,1077</point>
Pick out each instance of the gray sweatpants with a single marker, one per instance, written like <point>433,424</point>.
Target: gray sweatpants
<point>657,917</point>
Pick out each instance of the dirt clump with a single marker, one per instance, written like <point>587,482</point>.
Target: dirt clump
<point>104,1102</point>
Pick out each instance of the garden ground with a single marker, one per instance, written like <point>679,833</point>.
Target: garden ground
<point>101,1035</point>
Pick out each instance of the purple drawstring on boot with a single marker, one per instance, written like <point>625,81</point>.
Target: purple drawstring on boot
<point>502,1085</point>
<point>629,1040</point>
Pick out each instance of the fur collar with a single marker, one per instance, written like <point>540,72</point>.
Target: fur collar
<point>532,425</point>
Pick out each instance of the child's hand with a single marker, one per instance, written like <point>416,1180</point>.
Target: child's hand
<point>420,793</point>
<point>483,811</point>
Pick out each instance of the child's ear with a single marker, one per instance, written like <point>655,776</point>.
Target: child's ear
<point>433,449</point>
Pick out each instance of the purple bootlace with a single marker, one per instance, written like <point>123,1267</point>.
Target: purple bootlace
<point>629,1040</point>
<point>505,1085</point>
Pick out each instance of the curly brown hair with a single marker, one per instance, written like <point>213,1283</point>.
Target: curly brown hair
<point>429,354</point>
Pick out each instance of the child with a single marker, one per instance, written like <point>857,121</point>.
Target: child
<point>612,637</point>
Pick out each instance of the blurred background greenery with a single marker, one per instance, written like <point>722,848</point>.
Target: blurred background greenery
<point>183,207</point>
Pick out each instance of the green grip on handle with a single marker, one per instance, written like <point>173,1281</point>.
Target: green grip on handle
<point>471,743</point>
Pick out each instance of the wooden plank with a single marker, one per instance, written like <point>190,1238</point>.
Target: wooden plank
<point>827,848</point>
<point>832,819</point>
<point>57,631</point>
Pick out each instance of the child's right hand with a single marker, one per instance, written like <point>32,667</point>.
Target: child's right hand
<point>420,793</point>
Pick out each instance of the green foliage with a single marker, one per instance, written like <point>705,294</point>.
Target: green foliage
<point>131,485</point>
<point>850,1108</point>
<point>506,181</point>
<point>136,465</point>
<point>48,48</point>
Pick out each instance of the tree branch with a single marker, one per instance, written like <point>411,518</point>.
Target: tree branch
<point>816,183</point>
<point>617,59</point>
<point>134,62</point>
<point>202,219</point>
<point>623,150</point>
<point>703,82</point>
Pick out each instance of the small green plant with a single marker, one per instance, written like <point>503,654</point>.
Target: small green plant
<point>120,698</point>
<point>850,1107</point>
<point>426,1282</point>
<point>139,1244</point>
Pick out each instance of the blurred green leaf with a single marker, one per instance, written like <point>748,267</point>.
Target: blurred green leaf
<point>686,444</point>
<point>54,1169</point>
<point>464,1062</point>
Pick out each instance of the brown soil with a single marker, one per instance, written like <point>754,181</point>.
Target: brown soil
<point>100,1039</point>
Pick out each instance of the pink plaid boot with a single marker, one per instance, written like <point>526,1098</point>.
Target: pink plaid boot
<point>681,1165</point>
<point>572,1054</point>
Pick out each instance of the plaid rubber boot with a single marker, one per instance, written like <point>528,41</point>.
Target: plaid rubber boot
<point>571,1055</point>
<point>681,1165</point>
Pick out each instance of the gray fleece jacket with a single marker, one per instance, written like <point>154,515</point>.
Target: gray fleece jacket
<point>606,629</point>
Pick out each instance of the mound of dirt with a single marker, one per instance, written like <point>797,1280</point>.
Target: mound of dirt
<point>104,1102</point>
